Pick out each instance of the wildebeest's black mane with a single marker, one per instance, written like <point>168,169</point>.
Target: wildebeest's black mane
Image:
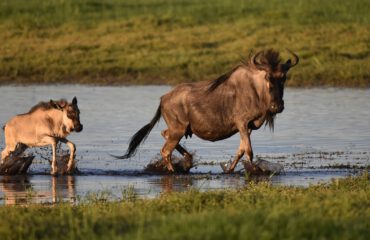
<point>267,57</point>
<point>270,58</point>
<point>46,105</point>
<point>221,79</point>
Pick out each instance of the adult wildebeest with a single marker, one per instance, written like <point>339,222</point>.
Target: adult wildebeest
<point>46,123</point>
<point>239,101</point>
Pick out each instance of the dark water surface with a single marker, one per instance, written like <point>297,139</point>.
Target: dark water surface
<point>322,134</point>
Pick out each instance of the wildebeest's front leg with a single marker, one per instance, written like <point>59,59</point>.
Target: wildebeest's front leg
<point>244,147</point>
<point>238,156</point>
<point>54,167</point>
<point>72,152</point>
<point>50,140</point>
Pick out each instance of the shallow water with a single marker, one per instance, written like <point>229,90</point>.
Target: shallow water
<point>320,132</point>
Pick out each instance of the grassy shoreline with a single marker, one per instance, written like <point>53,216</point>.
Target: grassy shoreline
<point>168,42</point>
<point>339,210</point>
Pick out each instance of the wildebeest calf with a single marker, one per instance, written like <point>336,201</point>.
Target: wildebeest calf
<point>47,123</point>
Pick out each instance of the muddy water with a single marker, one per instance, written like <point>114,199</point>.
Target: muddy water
<point>322,134</point>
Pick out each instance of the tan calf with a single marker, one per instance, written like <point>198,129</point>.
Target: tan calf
<point>47,123</point>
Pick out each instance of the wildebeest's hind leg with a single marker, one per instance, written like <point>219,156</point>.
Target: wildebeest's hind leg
<point>188,157</point>
<point>172,140</point>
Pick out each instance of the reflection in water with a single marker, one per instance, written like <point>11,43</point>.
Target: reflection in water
<point>63,188</point>
<point>48,189</point>
<point>15,189</point>
<point>170,183</point>
<point>19,189</point>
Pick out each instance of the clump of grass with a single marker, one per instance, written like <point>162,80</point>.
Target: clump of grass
<point>97,197</point>
<point>167,42</point>
<point>129,194</point>
<point>339,210</point>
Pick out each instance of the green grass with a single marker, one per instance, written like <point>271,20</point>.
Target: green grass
<point>167,42</point>
<point>339,210</point>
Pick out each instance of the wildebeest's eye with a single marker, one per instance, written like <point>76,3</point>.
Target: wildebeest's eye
<point>71,115</point>
<point>283,79</point>
<point>271,86</point>
<point>267,76</point>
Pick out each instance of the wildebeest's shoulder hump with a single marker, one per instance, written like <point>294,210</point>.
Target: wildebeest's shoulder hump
<point>45,105</point>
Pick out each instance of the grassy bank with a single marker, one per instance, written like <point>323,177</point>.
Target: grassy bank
<point>167,42</point>
<point>340,210</point>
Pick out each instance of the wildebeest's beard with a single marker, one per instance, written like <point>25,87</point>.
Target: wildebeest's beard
<point>270,120</point>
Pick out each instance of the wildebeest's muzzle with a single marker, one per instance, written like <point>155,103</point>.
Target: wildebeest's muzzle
<point>277,107</point>
<point>78,127</point>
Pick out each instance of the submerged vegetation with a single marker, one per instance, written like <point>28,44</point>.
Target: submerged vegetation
<point>339,210</point>
<point>167,42</point>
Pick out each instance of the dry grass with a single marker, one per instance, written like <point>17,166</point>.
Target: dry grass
<point>167,42</point>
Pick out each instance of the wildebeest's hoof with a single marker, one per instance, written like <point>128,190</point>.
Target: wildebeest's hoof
<point>226,168</point>
<point>54,173</point>
<point>250,167</point>
<point>70,170</point>
<point>170,169</point>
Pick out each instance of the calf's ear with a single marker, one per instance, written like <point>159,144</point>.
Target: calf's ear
<point>58,105</point>
<point>53,104</point>
<point>74,101</point>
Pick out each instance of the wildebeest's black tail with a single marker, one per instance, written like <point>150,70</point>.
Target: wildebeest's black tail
<point>141,135</point>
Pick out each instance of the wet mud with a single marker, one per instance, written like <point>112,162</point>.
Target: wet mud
<point>19,165</point>
<point>16,165</point>
<point>158,166</point>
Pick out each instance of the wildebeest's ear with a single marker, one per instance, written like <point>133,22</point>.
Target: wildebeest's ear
<point>74,101</point>
<point>52,103</point>
<point>55,104</point>
<point>62,103</point>
<point>286,66</point>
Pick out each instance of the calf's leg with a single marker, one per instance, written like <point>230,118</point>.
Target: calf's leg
<point>54,167</point>
<point>72,152</point>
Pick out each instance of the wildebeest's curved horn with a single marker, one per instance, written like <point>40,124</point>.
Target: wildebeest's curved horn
<point>258,65</point>
<point>289,64</point>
